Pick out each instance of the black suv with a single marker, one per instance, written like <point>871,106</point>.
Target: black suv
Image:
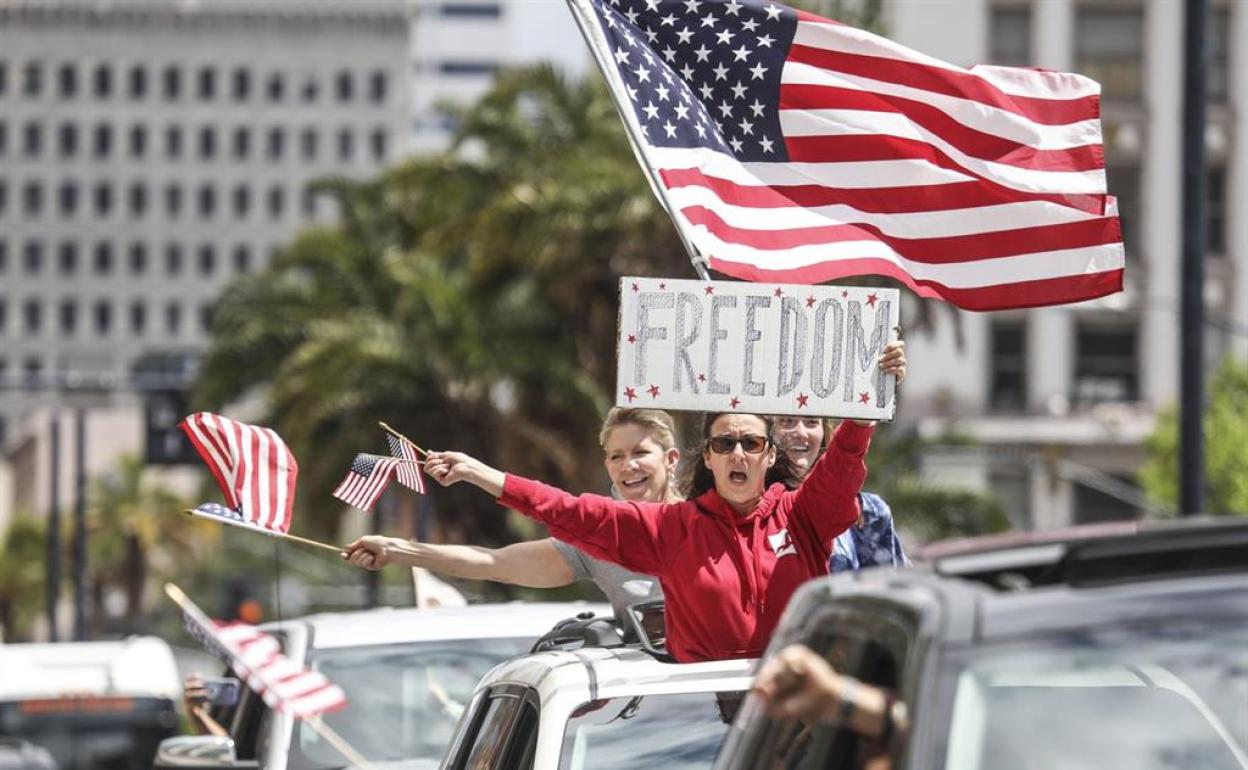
<point>1124,647</point>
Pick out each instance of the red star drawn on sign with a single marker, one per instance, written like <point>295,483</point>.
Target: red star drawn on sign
<point>653,390</point>
<point>636,287</point>
<point>735,402</point>
<point>662,287</point>
<point>864,398</point>
<point>810,301</point>
<point>709,290</point>
<point>630,394</point>
<point>844,294</point>
<point>701,378</point>
<point>871,298</point>
<point>632,338</point>
<point>779,292</point>
<point>802,398</point>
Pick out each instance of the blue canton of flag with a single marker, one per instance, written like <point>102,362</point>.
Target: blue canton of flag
<point>700,73</point>
<point>368,477</point>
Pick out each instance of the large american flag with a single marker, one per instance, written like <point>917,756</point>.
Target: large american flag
<point>367,478</point>
<point>790,148</point>
<point>285,685</point>
<point>254,468</point>
<point>407,473</point>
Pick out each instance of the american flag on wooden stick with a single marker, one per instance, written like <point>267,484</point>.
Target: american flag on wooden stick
<point>367,478</point>
<point>407,473</point>
<point>789,148</point>
<point>285,685</point>
<point>252,465</point>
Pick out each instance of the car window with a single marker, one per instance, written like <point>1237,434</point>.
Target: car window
<point>676,731</point>
<point>403,700</point>
<point>1148,699</point>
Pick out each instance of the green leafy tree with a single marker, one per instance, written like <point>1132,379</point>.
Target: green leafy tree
<point>23,553</point>
<point>1226,436</point>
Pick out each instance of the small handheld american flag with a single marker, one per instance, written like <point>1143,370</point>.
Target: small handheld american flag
<point>408,473</point>
<point>790,148</point>
<point>367,478</point>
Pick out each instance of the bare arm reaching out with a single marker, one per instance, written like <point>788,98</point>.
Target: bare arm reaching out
<point>536,564</point>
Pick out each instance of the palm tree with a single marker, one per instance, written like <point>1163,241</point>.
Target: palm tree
<point>22,554</point>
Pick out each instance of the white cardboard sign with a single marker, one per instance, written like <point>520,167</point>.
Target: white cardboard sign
<point>761,348</point>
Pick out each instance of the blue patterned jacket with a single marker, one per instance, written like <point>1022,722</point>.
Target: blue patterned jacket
<point>873,544</point>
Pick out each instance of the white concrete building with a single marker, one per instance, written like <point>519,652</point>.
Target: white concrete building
<point>457,46</point>
<point>151,151</point>
<point>1061,398</point>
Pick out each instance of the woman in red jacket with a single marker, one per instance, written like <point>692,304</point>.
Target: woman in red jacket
<point>728,558</point>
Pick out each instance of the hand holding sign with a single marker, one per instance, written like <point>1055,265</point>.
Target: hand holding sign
<point>764,348</point>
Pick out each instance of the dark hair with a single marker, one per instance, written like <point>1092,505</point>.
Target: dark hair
<point>696,478</point>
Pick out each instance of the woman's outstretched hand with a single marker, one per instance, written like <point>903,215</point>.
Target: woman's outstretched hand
<point>893,359</point>
<point>446,468</point>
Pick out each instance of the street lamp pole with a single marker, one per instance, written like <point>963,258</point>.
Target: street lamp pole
<point>52,575</point>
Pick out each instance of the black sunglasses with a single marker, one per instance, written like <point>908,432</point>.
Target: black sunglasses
<point>752,445</point>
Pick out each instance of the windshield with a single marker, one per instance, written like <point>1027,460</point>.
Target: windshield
<point>403,700</point>
<point>1161,699</point>
<point>676,731</point>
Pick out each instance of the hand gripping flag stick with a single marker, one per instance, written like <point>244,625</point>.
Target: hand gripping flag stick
<point>285,685</point>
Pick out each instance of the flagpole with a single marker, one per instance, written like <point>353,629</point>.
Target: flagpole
<point>598,46</point>
<point>268,532</point>
<point>396,434</point>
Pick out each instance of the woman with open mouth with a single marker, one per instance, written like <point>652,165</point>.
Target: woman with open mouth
<point>730,556</point>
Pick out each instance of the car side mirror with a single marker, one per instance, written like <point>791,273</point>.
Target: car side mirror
<point>200,751</point>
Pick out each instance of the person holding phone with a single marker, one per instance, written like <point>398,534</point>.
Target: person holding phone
<point>210,701</point>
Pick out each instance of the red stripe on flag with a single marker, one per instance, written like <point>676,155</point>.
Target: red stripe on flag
<point>213,466</point>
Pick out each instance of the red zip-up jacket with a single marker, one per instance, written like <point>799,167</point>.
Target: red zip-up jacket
<point>726,578</point>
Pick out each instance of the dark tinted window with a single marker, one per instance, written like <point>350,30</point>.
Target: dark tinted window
<point>1106,364</point>
<point>67,81</point>
<point>241,85</point>
<point>138,82</point>
<point>1008,386</point>
<point>103,81</point>
<point>32,258</point>
<point>172,83</point>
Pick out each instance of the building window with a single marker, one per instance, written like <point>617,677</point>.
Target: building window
<point>346,144</point>
<point>309,203</point>
<point>138,82</point>
<point>32,316</point>
<point>103,258</point>
<point>68,315</point>
<point>67,198</point>
<point>67,258</point>
<point>242,259</point>
<point>344,86</point>
<point>32,84</point>
<point>138,259</point>
<point>378,86</point>
<point>173,259</point>
<point>103,318</point>
<point>307,143</point>
<point>1109,49</point>
<point>1010,35</point>
<point>207,259</point>
<point>32,373</point>
<point>32,199</point>
<point>171,80</point>
<point>4,77</point>
<point>277,202</point>
<point>173,319</point>
<point>138,141</point>
<point>207,84</point>
<point>242,85</point>
<point>1124,181</point>
<point>67,140</point>
<point>173,142</point>
<point>138,317</point>
<point>471,10</point>
<point>103,82</point>
<point>276,143</point>
<point>4,256</point>
<point>468,68</point>
<point>103,199</point>
<point>173,200</point>
<point>138,199</point>
<point>1106,364</point>
<point>310,91</point>
<point>205,318</point>
<point>378,143</point>
<point>1215,211</point>
<point>242,143</point>
<point>32,258</point>
<point>32,140</point>
<point>67,81</point>
<point>102,145</point>
<point>1219,37</point>
<point>207,143</point>
<point>242,201</point>
<point>207,199</point>
<point>276,87</point>
<point>4,138</point>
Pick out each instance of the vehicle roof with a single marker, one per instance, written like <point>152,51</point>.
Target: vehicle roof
<point>389,625</point>
<point>609,672</point>
<point>139,666</point>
